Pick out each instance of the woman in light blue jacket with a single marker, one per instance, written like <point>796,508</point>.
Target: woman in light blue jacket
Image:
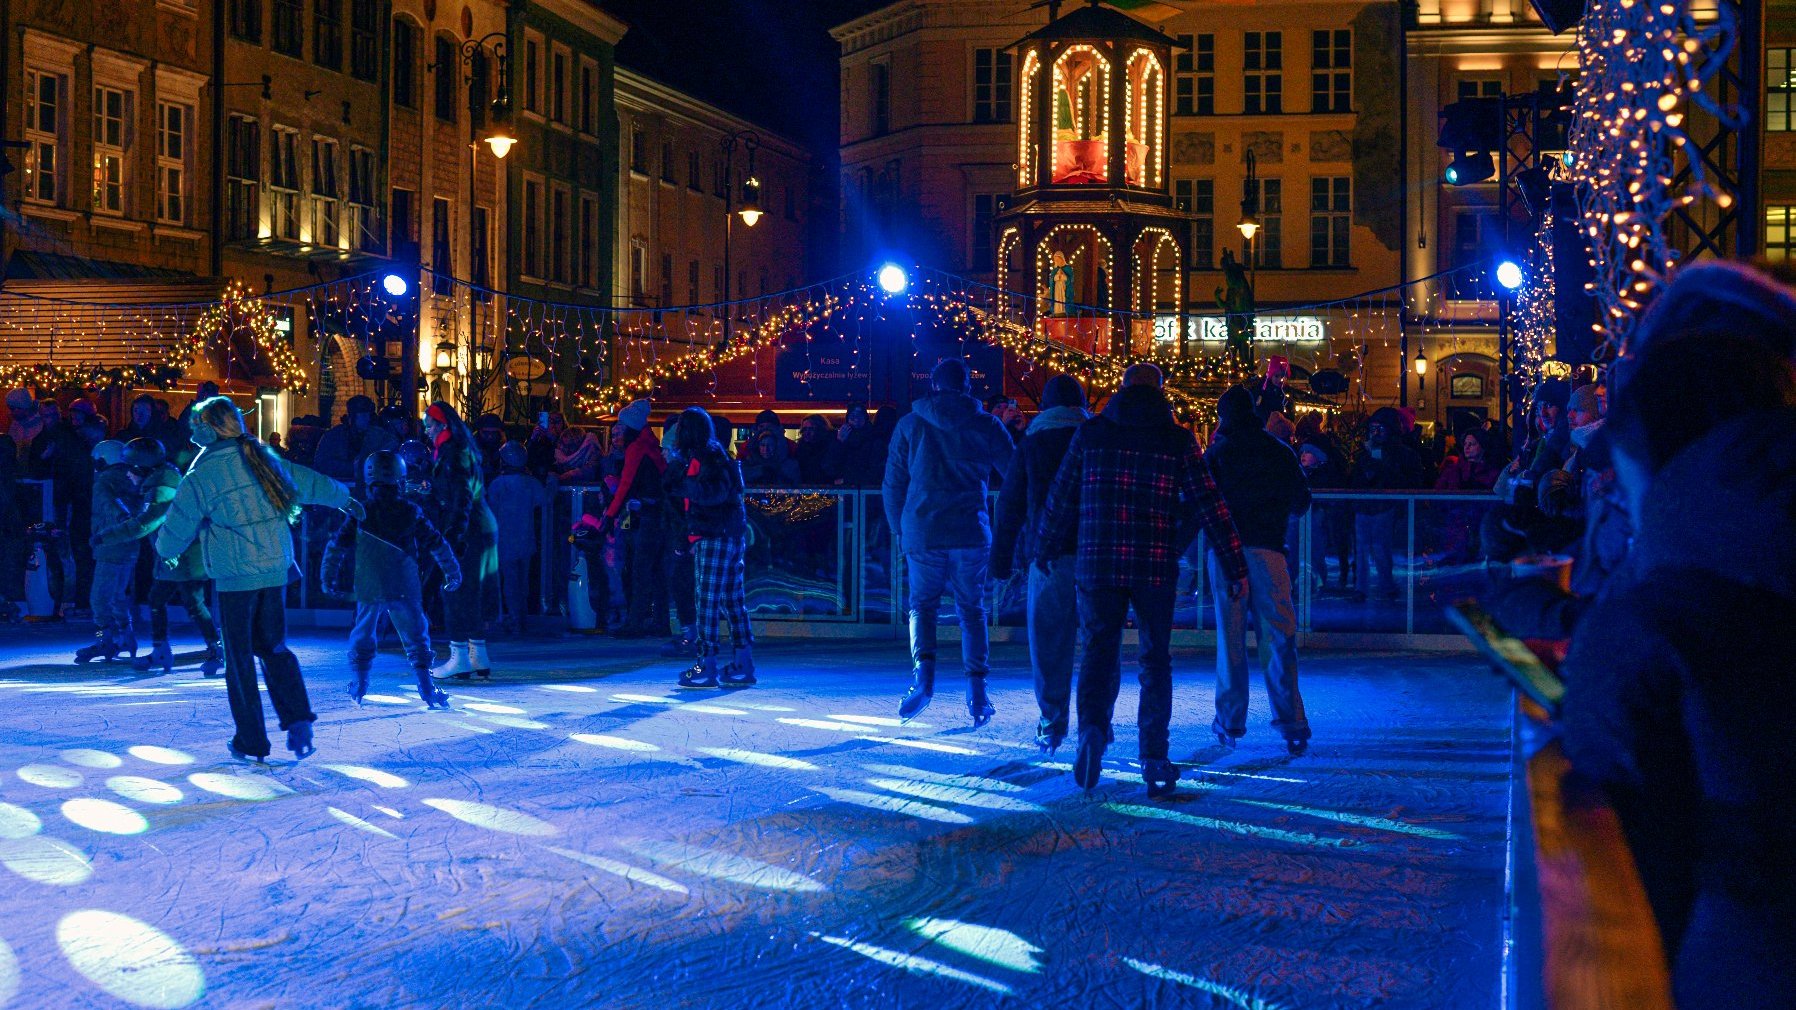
<point>239,499</point>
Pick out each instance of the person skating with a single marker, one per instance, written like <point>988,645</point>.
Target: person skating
<point>934,494</point>
<point>383,577</point>
<point>115,498</point>
<point>239,499</point>
<point>715,524</point>
<point>635,513</point>
<point>462,516</point>
<point>157,481</point>
<point>1262,483</point>
<point>518,500</point>
<point>1053,603</point>
<point>1129,497</point>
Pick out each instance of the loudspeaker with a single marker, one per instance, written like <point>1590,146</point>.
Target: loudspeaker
<point>1558,15</point>
<point>1574,309</point>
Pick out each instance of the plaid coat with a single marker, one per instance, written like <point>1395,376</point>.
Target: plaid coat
<point>1130,495</point>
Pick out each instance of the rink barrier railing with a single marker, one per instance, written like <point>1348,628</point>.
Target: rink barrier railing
<point>821,561</point>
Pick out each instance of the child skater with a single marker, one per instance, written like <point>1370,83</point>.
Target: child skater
<point>383,575</point>
<point>710,498</point>
<point>115,497</point>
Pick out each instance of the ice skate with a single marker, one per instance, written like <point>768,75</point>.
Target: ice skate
<point>358,685</point>
<point>1089,762</point>
<point>979,704</point>
<point>159,656</point>
<point>213,664</point>
<point>244,756</point>
<point>1049,736</point>
<point>477,658</point>
<point>1298,748</point>
<point>922,690</point>
<point>1225,739</point>
<point>104,648</point>
<point>703,674</point>
<point>299,739</point>
<point>458,667</point>
<point>1160,776</point>
<point>740,672</point>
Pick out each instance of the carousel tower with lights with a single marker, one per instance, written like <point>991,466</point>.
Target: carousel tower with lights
<point>1091,237</point>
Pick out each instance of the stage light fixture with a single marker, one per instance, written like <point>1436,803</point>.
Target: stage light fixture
<point>892,279</point>
<point>1470,167</point>
<point>1558,15</point>
<point>1510,274</point>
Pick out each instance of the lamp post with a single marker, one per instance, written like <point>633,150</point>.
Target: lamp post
<point>500,139</point>
<point>750,210</point>
<point>1421,364</point>
<point>1250,222</point>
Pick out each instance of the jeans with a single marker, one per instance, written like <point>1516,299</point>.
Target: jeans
<point>1269,596</point>
<point>193,597</point>
<point>465,611</point>
<point>409,622</point>
<point>646,546</point>
<point>1372,535</point>
<point>1053,609</point>
<point>960,571</point>
<point>1102,611</point>
<point>514,589</point>
<point>110,598</point>
<point>255,627</point>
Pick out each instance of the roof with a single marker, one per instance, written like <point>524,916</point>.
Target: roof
<point>1098,22</point>
<point>27,265</point>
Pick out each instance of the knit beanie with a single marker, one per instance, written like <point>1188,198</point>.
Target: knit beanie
<point>1584,398</point>
<point>1063,391</point>
<point>1313,449</point>
<point>1552,393</point>
<point>636,415</point>
<point>1235,409</point>
<point>1280,427</point>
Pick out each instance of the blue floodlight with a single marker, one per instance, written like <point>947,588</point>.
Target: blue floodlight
<point>1510,275</point>
<point>892,279</point>
<point>394,285</point>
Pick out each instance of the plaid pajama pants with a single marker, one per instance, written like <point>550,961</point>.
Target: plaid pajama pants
<point>717,571</point>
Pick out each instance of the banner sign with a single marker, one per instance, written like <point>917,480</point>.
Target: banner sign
<point>1266,329</point>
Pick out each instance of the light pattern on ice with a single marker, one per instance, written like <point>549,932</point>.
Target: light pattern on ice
<point>1235,996</point>
<point>386,780</point>
<point>143,790</point>
<point>946,778</point>
<point>913,963</point>
<point>987,943</point>
<point>955,794</point>
<point>614,742</point>
<point>356,822</point>
<point>50,776</point>
<point>17,822</point>
<point>238,787</point>
<point>894,804</point>
<point>45,860</point>
<point>1233,827</point>
<point>105,816</point>
<point>483,815</point>
<point>725,866</point>
<point>87,758</point>
<point>750,757</point>
<point>9,974</point>
<point>624,870</point>
<point>1363,820</point>
<point>132,960</point>
<point>160,755</point>
<point>489,707</point>
<point>929,745</point>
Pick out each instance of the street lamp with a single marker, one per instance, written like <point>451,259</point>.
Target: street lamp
<point>1250,201</point>
<point>750,210</point>
<point>500,140</point>
<point>1421,364</point>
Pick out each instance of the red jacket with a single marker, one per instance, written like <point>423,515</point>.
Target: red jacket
<point>645,448</point>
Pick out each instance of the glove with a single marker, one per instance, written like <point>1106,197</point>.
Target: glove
<point>451,584</point>
<point>355,510</point>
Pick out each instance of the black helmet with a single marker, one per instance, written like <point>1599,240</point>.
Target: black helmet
<point>512,454</point>
<point>144,453</point>
<point>383,466</point>
<point>415,454</point>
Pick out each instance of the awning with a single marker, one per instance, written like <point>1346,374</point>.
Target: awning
<point>69,310</point>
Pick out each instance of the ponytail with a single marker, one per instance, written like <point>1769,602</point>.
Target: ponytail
<point>223,417</point>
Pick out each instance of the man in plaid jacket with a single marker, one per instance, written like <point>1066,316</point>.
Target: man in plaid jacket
<point>1129,498</point>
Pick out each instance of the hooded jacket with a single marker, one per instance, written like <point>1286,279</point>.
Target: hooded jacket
<point>1681,705</point>
<point>158,493</point>
<point>1258,475</point>
<point>1025,493</point>
<point>936,469</point>
<point>1131,495</point>
<point>115,500</point>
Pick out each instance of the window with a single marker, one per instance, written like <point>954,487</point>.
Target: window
<point>695,180</point>
<point>44,96</point>
<point>447,60</point>
<point>442,255</point>
<point>667,161</point>
<point>479,86</point>
<point>1194,76</point>
<point>283,183</point>
<point>589,95</point>
<point>985,205</point>
<point>1267,248</point>
<point>327,33</point>
<point>532,55</point>
<point>720,183</point>
<point>558,82</point>
<point>173,122</point>
<point>364,40</point>
<point>666,279</point>
<point>1780,90</point>
<point>326,220</point>
<point>560,265</point>
<point>1469,241</point>
<point>639,151</point>
<point>1780,233</point>
<point>1197,197</point>
<point>1480,89</point>
<point>246,20</point>
<point>480,254</point>
<point>364,229</point>
<point>1264,82</point>
<point>533,228</point>
<point>243,176</point>
<point>991,86</point>
<point>1331,78</point>
<point>717,281</point>
<point>1331,220</point>
<point>1466,386</point>
<point>879,98</point>
<point>692,297</point>
<point>405,64</point>
<point>405,223</point>
<point>112,144</point>
<point>289,30</point>
<point>589,242</point>
<point>639,269</point>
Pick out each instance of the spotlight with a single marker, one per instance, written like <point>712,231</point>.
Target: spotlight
<point>394,285</point>
<point>1558,15</point>
<point>1510,275</point>
<point>892,279</point>
<point>1471,167</point>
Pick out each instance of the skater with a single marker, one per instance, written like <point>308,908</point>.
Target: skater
<point>465,521</point>
<point>383,576</point>
<point>679,571</point>
<point>1263,484</point>
<point>115,498</point>
<point>716,526</point>
<point>239,499</point>
<point>157,481</point>
<point>1129,498</point>
<point>635,513</point>
<point>934,494</point>
<point>518,500</point>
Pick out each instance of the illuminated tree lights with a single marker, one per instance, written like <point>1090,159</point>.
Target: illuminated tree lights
<point>240,314</point>
<point>1535,307</point>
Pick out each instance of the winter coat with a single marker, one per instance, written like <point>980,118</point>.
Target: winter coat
<point>516,499</point>
<point>246,542</point>
<point>1131,495</point>
<point>936,469</point>
<point>709,491</point>
<point>60,455</point>
<point>459,492</point>
<point>1680,704</point>
<point>340,451</point>
<point>158,493</point>
<point>813,459</point>
<point>582,465</point>
<point>1396,468</point>
<point>115,500</point>
<point>1261,481</point>
<point>644,466</point>
<point>1464,475</point>
<point>858,460</point>
<point>376,559</point>
<point>757,471</point>
<point>1026,484</point>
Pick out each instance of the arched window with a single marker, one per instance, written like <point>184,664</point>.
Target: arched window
<point>1081,109</point>
<point>1144,147</point>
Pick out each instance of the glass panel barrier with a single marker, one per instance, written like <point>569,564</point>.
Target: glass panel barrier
<point>797,545</point>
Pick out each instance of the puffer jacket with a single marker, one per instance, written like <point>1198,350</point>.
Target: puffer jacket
<point>386,547</point>
<point>459,491</point>
<point>1259,477</point>
<point>246,542</point>
<point>115,499</point>
<point>709,494</point>
<point>158,491</point>
<point>936,469</point>
<point>1026,484</point>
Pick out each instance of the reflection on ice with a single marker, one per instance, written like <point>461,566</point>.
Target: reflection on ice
<point>143,790</point>
<point>955,794</point>
<point>132,960</point>
<point>105,816</point>
<point>725,866</point>
<point>1232,995</point>
<point>492,709</point>
<point>390,812</point>
<point>987,943</point>
<point>614,742</point>
<point>1363,820</point>
<point>568,688</point>
<point>356,822</point>
<point>939,748</point>
<point>1233,827</point>
<point>700,706</point>
<point>646,699</point>
<point>387,699</point>
<point>492,818</point>
<point>50,776</point>
<point>45,860</point>
<point>750,757</point>
<point>624,870</point>
<point>515,722</point>
<point>91,758</point>
<point>160,755</point>
<point>239,787</point>
<point>911,808</point>
<point>846,727</point>
<point>913,963</point>
<point>879,720</point>
<point>771,708</point>
<point>17,822</point>
<point>990,785</point>
<point>386,780</point>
